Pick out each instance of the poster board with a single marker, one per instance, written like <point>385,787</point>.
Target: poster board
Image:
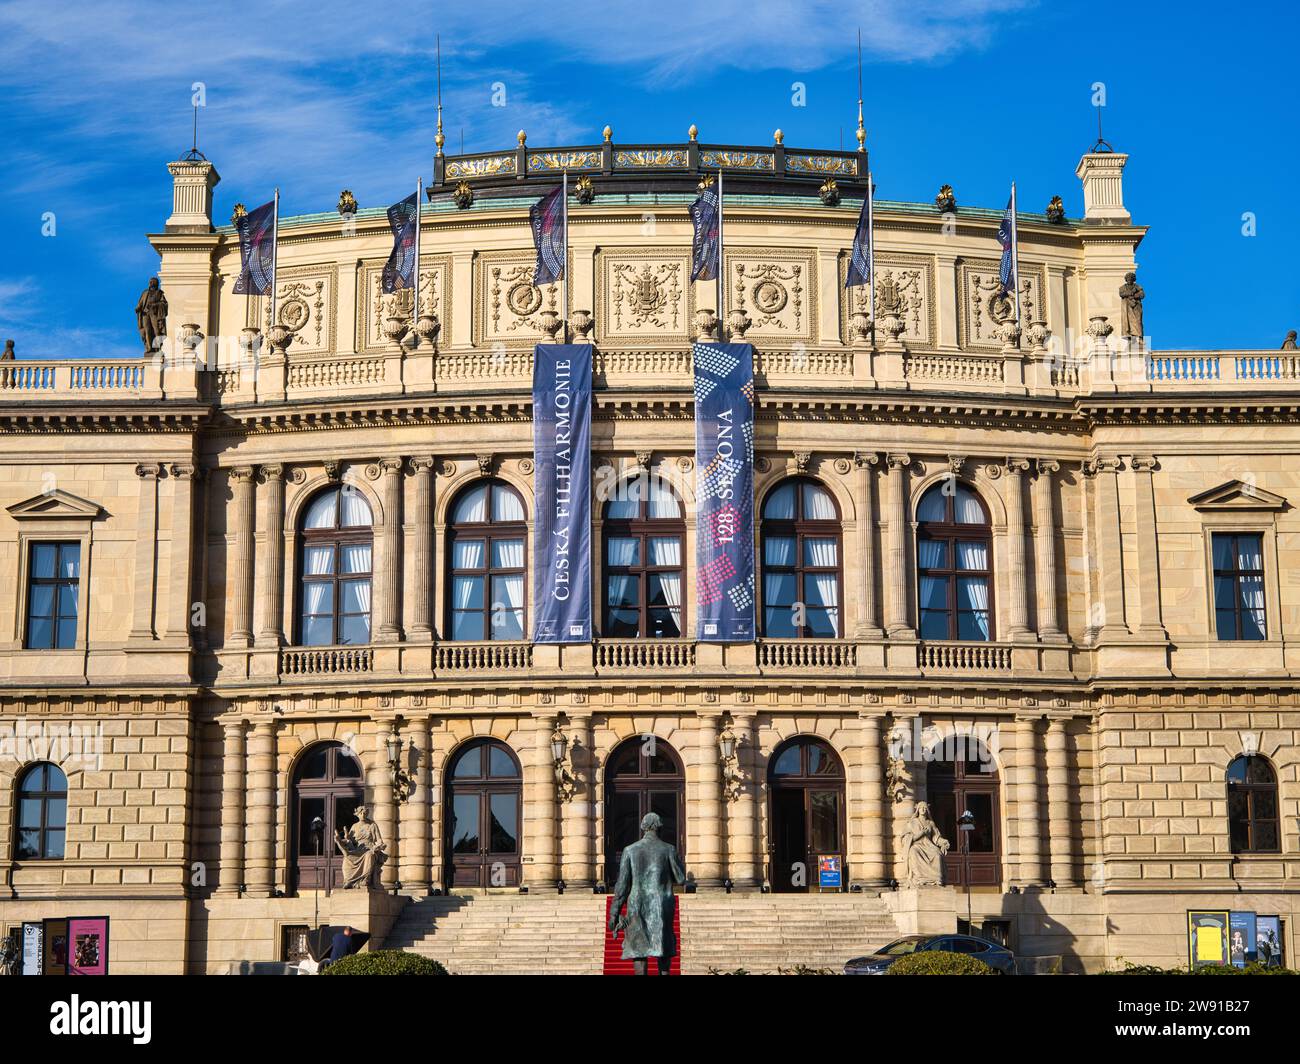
<point>1270,950</point>
<point>830,872</point>
<point>33,948</point>
<point>88,945</point>
<point>56,947</point>
<point>1241,938</point>
<point>1207,937</point>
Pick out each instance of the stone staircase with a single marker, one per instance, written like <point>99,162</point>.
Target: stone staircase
<point>554,934</point>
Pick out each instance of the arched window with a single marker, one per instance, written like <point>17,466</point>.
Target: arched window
<point>802,577</point>
<point>1252,806</point>
<point>484,816</point>
<point>42,812</point>
<point>953,549</point>
<point>644,534</point>
<point>486,560</point>
<point>335,564</point>
<point>328,785</point>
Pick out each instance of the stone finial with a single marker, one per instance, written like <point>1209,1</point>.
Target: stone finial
<point>608,134</point>
<point>347,202</point>
<point>778,137</point>
<point>693,132</point>
<point>522,137</point>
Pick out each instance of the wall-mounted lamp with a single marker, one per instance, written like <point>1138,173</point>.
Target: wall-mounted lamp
<point>403,782</point>
<point>733,777</point>
<point>566,780</point>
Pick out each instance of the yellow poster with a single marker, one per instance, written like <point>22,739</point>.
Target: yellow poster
<point>1209,945</point>
<point>1207,938</point>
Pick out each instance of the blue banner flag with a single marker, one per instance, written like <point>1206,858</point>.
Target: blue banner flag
<point>547,219</point>
<point>399,270</point>
<point>859,271</point>
<point>706,214</point>
<point>1007,238</point>
<point>724,490</point>
<point>256,231</point>
<point>562,493</point>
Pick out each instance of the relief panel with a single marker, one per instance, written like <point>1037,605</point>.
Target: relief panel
<point>984,307</point>
<point>507,305</point>
<point>305,305</point>
<point>373,306</point>
<point>644,296</point>
<point>778,291</point>
<point>904,282</point>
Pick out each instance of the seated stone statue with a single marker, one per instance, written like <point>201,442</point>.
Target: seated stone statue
<point>362,847</point>
<point>923,847</point>
<point>646,875</point>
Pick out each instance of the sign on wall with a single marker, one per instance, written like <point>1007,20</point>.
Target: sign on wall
<point>1207,938</point>
<point>1241,938</point>
<point>56,947</point>
<point>88,945</point>
<point>562,493</point>
<point>33,949</point>
<point>1269,949</point>
<point>724,491</point>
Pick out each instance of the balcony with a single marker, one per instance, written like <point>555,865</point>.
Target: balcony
<point>807,654</point>
<point>963,657</point>
<point>325,661</point>
<point>644,655</point>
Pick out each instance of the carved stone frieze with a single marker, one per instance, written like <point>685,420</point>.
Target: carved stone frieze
<point>306,306</point>
<point>373,306</point>
<point>904,290</point>
<point>643,295</point>
<point>987,312</point>
<point>776,291</point>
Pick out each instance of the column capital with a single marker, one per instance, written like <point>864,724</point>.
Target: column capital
<point>866,459</point>
<point>421,465</point>
<point>385,467</point>
<point>1047,466</point>
<point>184,471</point>
<point>149,471</point>
<point>1144,463</point>
<point>241,473</point>
<point>898,461</point>
<point>269,472</point>
<point>1017,466</point>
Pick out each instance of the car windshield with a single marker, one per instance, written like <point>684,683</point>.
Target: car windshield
<point>902,946</point>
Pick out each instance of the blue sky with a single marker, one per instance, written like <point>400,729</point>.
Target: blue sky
<point>95,99</point>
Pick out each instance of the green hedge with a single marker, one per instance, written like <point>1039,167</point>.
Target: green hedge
<point>1211,969</point>
<point>385,962</point>
<point>939,962</point>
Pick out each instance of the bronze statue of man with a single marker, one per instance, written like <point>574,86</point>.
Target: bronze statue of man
<point>151,316</point>
<point>1131,295</point>
<point>645,882</point>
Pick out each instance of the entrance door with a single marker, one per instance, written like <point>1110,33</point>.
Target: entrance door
<point>806,780</point>
<point>483,818</point>
<point>974,857</point>
<point>643,775</point>
<point>327,789</point>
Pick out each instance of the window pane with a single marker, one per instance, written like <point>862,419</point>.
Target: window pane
<point>43,559</point>
<point>322,511</point>
<point>663,503</point>
<point>467,592</point>
<point>29,843</point>
<point>1225,624</point>
<point>346,766</point>
<point>622,591</point>
<point>41,601</point>
<point>40,633</point>
<point>778,550</point>
<point>318,631</point>
<point>1266,836</point>
<point>788,763</point>
<point>508,553</point>
<point>469,765</point>
<point>1225,592</point>
<point>779,589</point>
<point>821,552</point>
<point>1238,818</point>
<point>355,595</point>
<point>934,593</point>
<point>1251,589</point>
<point>664,550</point>
<point>68,600</point>
<point>464,823</point>
<point>314,763</point>
<point>821,762</point>
<point>1250,553</point>
<point>508,624</point>
<point>966,508</point>
<point>467,554</point>
<point>780,504</point>
<point>500,764</point>
<point>623,550</point>
<point>356,510</point>
<point>817,503</point>
<point>622,623</point>
<point>466,626</point>
<point>503,810</point>
<point>34,780</point>
<point>972,555</point>
<point>356,558</point>
<point>29,813</point>
<point>973,626</point>
<point>471,508</point>
<point>308,840</point>
<point>933,505</point>
<point>506,505</point>
<point>354,631</point>
<point>318,561</point>
<point>66,635</point>
<point>54,844</point>
<point>934,624</point>
<point>980,840</point>
<point>507,592</point>
<point>820,589</point>
<point>663,589</point>
<point>821,623</point>
<point>1258,771</point>
<point>932,554</point>
<point>1221,548</point>
<point>625,503</point>
<point>665,623</point>
<point>1265,802</point>
<point>70,561</point>
<point>824,808</point>
<point>778,622</point>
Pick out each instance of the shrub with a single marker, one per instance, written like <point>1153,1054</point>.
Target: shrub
<point>385,962</point>
<point>1213,969</point>
<point>939,962</point>
<point>803,969</point>
<point>721,971</point>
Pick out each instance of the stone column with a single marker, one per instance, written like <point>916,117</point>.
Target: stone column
<point>180,568</point>
<point>577,814</point>
<point>259,851</point>
<point>384,811</point>
<point>540,832</point>
<point>146,552</point>
<point>389,629</point>
<point>421,628</point>
<point>1049,629</point>
<point>897,613</point>
<point>271,577</point>
<point>231,861</point>
<point>240,558</point>
<point>1028,808</point>
<point>1150,622</point>
<point>413,851</point>
<point>1110,549</point>
<point>1018,604</point>
<point>868,623</point>
<point>706,812</point>
<point>743,866</point>
<point>1060,823</point>
<point>874,873</point>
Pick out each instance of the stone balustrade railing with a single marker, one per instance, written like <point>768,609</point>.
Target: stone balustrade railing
<point>483,657</point>
<point>647,654</point>
<point>806,654</point>
<point>956,656</point>
<point>324,661</point>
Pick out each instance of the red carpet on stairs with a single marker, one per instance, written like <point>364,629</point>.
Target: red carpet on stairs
<point>614,962</point>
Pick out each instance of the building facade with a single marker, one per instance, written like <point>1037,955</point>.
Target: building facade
<point>1038,573</point>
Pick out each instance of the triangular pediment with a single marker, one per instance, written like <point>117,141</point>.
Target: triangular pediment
<point>53,505</point>
<point>1238,495</point>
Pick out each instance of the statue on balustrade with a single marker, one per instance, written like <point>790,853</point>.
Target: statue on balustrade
<point>9,355</point>
<point>151,316</point>
<point>1131,295</point>
<point>362,847</point>
<point>646,875</point>
<point>923,847</point>
<point>1287,345</point>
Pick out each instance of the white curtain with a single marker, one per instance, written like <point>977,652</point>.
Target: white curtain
<point>506,505</point>
<point>821,552</point>
<point>778,589</point>
<point>622,550</point>
<point>508,553</point>
<point>472,507</point>
<point>817,503</point>
<point>320,514</point>
<point>509,591</point>
<point>663,503</point>
<point>967,509</point>
<point>778,550</point>
<point>357,558</point>
<point>618,587</point>
<point>934,593</point>
<point>977,593</point>
<point>671,585</point>
<point>825,589</point>
<point>929,553</point>
<point>467,554</point>
<point>319,561</point>
<point>780,504</point>
<point>665,550</point>
<point>972,556</point>
<point>362,588</point>
<point>315,599</point>
<point>464,590</point>
<point>356,511</point>
<point>932,506</point>
<point>1252,598</point>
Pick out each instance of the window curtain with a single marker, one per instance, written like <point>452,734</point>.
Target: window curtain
<point>663,503</point>
<point>472,508</point>
<point>363,595</point>
<point>966,508</point>
<point>319,561</point>
<point>467,554</point>
<point>780,504</point>
<point>671,585</point>
<point>619,587</point>
<point>778,550</point>
<point>506,505</point>
<point>972,556</point>
<point>316,595</point>
<point>931,507</point>
<point>357,558</point>
<point>817,504</point>
<point>665,550</point>
<point>778,589</point>
<point>622,551</point>
<point>509,553</point>
<point>822,552</point>
<point>510,590</point>
<point>976,592</point>
<point>1252,601</point>
<point>466,590</point>
<point>356,511</point>
<point>321,512</point>
<point>929,553</point>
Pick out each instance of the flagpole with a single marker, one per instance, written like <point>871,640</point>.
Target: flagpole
<point>871,251</point>
<point>275,250</point>
<point>564,262</point>
<point>722,286</point>
<point>415,270</point>
<point>1015,252</point>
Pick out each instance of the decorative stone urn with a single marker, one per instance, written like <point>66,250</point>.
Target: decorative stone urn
<point>394,329</point>
<point>279,337</point>
<point>583,322</point>
<point>551,325</point>
<point>1037,335</point>
<point>860,327</point>
<point>1099,327</point>
<point>706,322</point>
<point>250,342</point>
<point>737,323</point>
<point>893,327</point>
<point>427,328</point>
<point>190,337</point>
<point>1009,333</point>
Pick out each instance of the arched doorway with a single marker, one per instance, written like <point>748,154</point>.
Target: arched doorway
<point>806,783</point>
<point>968,782</point>
<point>328,785</point>
<point>642,775</point>
<point>484,816</point>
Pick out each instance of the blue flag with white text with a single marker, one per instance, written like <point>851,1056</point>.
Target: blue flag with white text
<point>547,219</point>
<point>706,216</point>
<point>1006,237</point>
<point>256,231</point>
<point>562,493</point>
<point>399,270</point>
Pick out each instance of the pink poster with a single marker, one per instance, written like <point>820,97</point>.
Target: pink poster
<point>88,945</point>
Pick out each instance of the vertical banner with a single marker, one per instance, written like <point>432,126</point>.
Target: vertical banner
<point>724,492</point>
<point>562,493</point>
<point>56,947</point>
<point>1268,941</point>
<point>1207,938</point>
<point>1241,943</point>
<point>33,949</point>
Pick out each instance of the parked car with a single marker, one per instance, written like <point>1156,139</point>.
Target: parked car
<point>990,953</point>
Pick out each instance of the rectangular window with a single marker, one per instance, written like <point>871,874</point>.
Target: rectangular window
<point>53,579</point>
<point>1238,585</point>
